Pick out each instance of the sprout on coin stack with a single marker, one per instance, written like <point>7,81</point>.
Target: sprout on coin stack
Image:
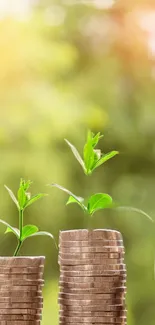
<point>21,278</point>
<point>92,270</point>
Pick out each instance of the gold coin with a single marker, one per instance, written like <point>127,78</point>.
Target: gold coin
<point>85,234</point>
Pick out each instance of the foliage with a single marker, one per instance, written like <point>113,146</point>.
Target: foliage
<point>24,200</point>
<point>92,158</point>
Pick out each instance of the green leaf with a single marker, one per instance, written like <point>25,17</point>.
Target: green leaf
<point>76,154</point>
<point>35,198</point>
<point>132,209</point>
<point>105,158</point>
<point>77,199</point>
<point>28,230</point>
<point>99,201</point>
<point>44,233</point>
<point>10,228</point>
<point>12,196</point>
<point>91,156</point>
<point>96,138</point>
<point>22,198</point>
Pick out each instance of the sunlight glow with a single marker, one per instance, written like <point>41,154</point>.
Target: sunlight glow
<point>19,9</point>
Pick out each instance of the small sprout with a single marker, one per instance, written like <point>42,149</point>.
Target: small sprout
<point>92,158</point>
<point>23,200</point>
<point>94,203</point>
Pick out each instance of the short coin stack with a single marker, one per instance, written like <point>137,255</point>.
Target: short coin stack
<point>21,282</point>
<point>92,278</point>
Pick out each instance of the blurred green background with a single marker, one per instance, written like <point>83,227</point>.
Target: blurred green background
<point>65,67</point>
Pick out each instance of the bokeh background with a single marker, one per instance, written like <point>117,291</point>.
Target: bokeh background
<point>65,67</point>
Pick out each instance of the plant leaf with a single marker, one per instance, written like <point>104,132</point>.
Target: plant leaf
<point>76,154</point>
<point>12,196</point>
<point>35,198</point>
<point>73,200</point>
<point>99,201</point>
<point>96,138</point>
<point>105,158</point>
<point>89,154</point>
<point>28,230</point>
<point>77,199</point>
<point>22,198</point>
<point>44,233</point>
<point>10,228</point>
<point>132,209</point>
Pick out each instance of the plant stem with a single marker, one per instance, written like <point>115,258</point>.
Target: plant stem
<point>17,248</point>
<point>21,230</point>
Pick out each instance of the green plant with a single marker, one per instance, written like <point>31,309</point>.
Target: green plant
<point>24,200</point>
<point>93,158</point>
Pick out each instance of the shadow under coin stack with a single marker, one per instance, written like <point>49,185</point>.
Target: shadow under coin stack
<point>21,282</point>
<point>92,278</point>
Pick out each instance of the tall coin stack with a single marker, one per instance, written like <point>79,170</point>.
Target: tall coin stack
<point>92,278</point>
<point>21,282</point>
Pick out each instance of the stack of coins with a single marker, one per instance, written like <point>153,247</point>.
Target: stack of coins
<point>92,278</point>
<point>21,282</point>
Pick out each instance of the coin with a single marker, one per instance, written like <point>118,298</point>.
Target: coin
<point>93,279</point>
<point>17,288</point>
<point>74,313</point>
<point>20,317</point>
<point>93,308</point>
<point>94,323</point>
<point>22,261</point>
<point>20,293</point>
<point>103,272</point>
<point>85,296</point>
<point>91,291</point>
<point>19,311</point>
<point>95,249</point>
<point>23,277</point>
<point>95,261</point>
<point>82,302</point>
<point>92,319</point>
<point>21,270</point>
<point>85,234</point>
<point>83,270</point>
<point>20,305</point>
<point>79,256</point>
<point>23,283</point>
<point>20,322</point>
<point>92,243</point>
<point>26,299</point>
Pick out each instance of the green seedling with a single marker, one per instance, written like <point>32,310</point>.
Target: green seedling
<point>24,200</point>
<point>92,204</point>
<point>92,158</point>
